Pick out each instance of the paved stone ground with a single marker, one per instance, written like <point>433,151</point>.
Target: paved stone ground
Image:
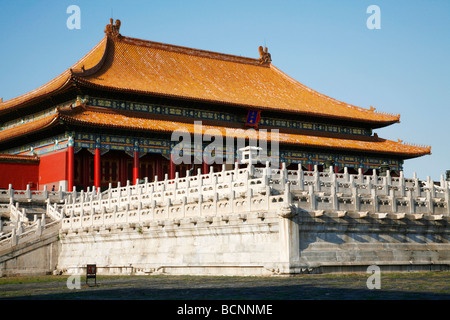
<point>394,286</point>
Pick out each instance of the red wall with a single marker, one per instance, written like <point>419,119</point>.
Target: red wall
<point>19,175</point>
<point>52,168</point>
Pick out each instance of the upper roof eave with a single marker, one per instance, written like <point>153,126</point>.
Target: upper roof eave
<point>372,123</point>
<point>85,70</point>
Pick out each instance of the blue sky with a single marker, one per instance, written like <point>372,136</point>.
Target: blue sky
<point>401,68</point>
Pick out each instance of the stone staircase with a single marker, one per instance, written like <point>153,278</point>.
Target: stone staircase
<point>30,223</point>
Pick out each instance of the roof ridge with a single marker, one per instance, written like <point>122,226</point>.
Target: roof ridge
<point>190,51</point>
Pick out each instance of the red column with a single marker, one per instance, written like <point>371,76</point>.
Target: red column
<point>158,169</point>
<point>135,166</point>
<point>123,170</point>
<point>97,168</point>
<point>205,167</point>
<point>171,168</point>
<point>70,168</point>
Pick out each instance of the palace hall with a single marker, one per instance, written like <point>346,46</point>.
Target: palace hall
<point>109,118</point>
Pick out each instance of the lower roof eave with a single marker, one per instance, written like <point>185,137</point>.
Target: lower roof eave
<point>375,124</point>
<point>401,155</point>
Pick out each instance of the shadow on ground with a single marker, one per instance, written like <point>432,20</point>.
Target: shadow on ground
<point>293,292</point>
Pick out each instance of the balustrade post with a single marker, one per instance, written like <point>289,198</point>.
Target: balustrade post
<point>360,176</point>
<point>251,169</point>
<point>183,206</point>
<point>417,191</point>
<point>19,228</point>
<point>393,201</point>
<point>211,173</point>
<point>374,200</point>
<point>200,202</point>
<point>232,197</point>
<point>445,185</point>
<point>74,194</point>
<point>249,199</point>
<point>267,171</point>
<point>60,193</point>
<point>176,180</point>
<point>430,205</point>
<point>24,215</point>
<point>28,192</point>
<point>168,205</point>
<point>442,181</point>
<point>283,174</point>
<point>334,183</point>
<point>214,183</point>
<point>355,198</point>
<point>401,184</point>
<point>114,213</point>
<point>287,194</point>
<point>91,218</point>
<point>430,184</point>
<point>385,185</point>
<point>374,177</point>
<point>127,209</point>
<point>316,178</point>
<point>334,199</point>
<point>10,192</point>
<point>139,209</point>
<point>346,174</point>
<point>410,201</point>
<point>300,177</point>
<point>312,197</point>
<point>45,192</point>
<point>388,177</point>
<point>246,178</point>
<point>13,237</point>
<point>199,178</point>
<point>215,199</point>
<point>38,227</point>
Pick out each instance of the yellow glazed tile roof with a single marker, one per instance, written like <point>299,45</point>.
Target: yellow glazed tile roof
<point>132,65</point>
<point>135,65</point>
